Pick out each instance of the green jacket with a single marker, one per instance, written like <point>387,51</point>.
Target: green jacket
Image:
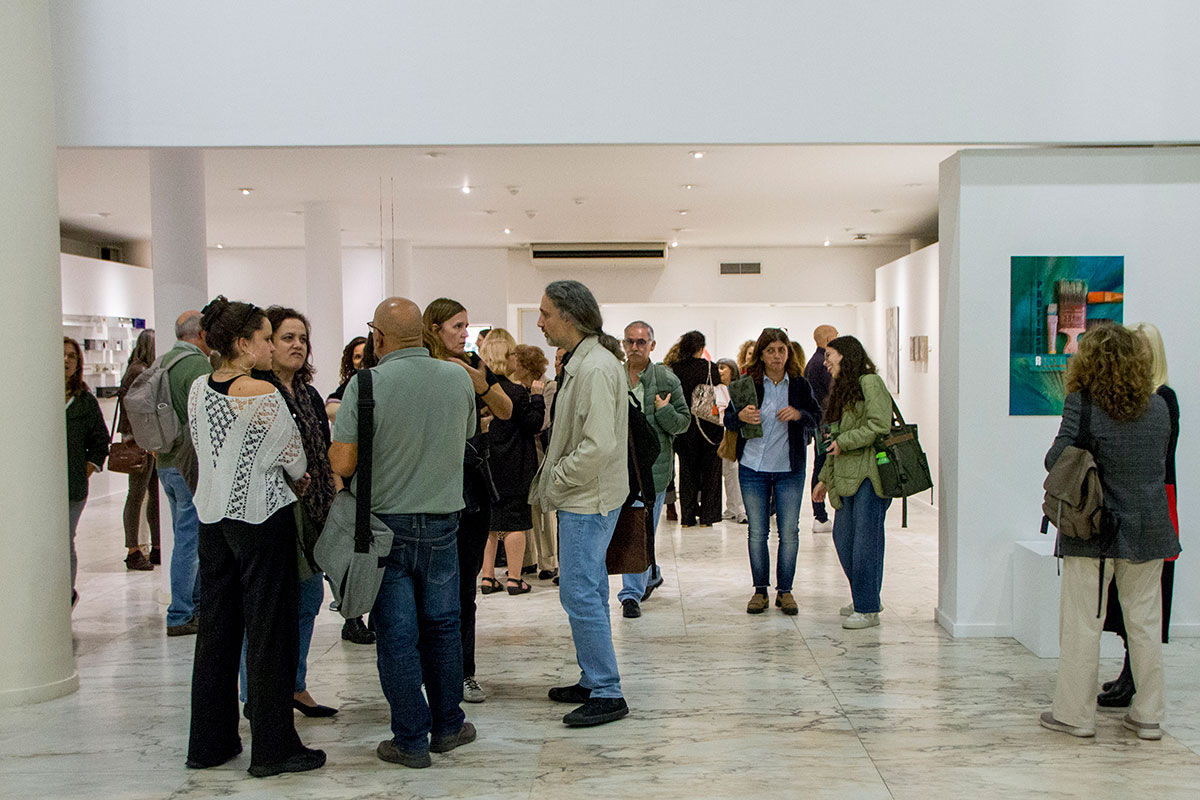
<point>668,421</point>
<point>182,376</point>
<point>586,469</point>
<point>856,432</point>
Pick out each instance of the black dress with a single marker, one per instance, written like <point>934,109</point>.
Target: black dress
<point>699,465</point>
<point>513,457</point>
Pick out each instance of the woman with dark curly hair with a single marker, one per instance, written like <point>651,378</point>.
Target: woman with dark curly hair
<point>857,410</point>
<point>1111,408</point>
<point>352,361</point>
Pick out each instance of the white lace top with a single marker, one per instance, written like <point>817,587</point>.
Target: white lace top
<point>243,445</point>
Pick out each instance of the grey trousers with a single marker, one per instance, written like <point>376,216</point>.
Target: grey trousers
<point>75,510</point>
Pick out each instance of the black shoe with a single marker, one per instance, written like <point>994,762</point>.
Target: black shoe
<point>353,630</point>
<point>302,761</point>
<point>465,735</point>
<point>189,628</point>
<point>529,570</point>
<point>597,711</point>
<point>315,710</point>
<point>155,556</point>
<point>631,609</point>
<point>1118,693</point>
<point>137,561</point>
<point>196,763</point>
<point>555,580</point>
<point>387,751</point>
<point>652,585</point>
<point>570,694</point>
<point>547,574</point>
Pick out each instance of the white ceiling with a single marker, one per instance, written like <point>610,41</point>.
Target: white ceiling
<point>742,195</point>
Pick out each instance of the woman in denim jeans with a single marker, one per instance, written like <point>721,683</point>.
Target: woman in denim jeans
<point>773,464</point>
<point>857,410</point>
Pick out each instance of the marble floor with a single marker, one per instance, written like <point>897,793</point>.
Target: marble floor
<point>723,704</point>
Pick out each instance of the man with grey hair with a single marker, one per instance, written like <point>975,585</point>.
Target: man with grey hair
<point>818,378</point>
<point>585,478</point>
<point>185,362</point>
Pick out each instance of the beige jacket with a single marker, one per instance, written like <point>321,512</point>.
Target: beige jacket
<point>586,468</point>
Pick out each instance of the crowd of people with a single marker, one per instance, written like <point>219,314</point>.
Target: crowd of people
<point>531,469</point>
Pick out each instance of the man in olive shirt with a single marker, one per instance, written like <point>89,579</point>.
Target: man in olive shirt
<point>424,414</point>
<point>174,467</point>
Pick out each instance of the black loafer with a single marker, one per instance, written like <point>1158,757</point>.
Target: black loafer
<point>302,761</point>
<point>652,585</point>
<point>597,711</point>
<point>354,631</point>
<point>570,694</point>
<point>315,710</point>
<point>631,609</point>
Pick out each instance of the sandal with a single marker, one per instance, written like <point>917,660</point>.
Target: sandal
<point>518,586</point>
<point>489,585</point>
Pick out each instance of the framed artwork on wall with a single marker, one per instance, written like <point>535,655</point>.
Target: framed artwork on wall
<point>892,358</point>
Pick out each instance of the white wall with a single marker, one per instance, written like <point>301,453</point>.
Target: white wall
<point>995,205</point>
<point>94,287</point>
<point>131,73</point>
<point>910,283</point>
<point>263,276</point>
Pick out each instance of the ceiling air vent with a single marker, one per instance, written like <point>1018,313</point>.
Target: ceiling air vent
<point>604,255</point>
<point>741,267</point>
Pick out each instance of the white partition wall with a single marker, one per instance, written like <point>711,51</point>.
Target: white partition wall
<point>1138,203</point>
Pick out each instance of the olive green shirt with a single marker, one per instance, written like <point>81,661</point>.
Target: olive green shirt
<point>181,377</point>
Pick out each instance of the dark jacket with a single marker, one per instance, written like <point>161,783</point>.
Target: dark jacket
<point>87,443</point>
<point>1131,457</point>
<point>818,376</point>
<point>511,448</point>
<point>800,431</point>
<point>691,373</point>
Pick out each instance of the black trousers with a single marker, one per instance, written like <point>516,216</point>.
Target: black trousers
<point>248,583</point>
<point>143,487</point>
<point>819,455</point>
<point>473,529</point>
<point>699,479</point>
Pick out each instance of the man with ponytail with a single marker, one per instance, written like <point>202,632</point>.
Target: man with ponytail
<point>585,479</point>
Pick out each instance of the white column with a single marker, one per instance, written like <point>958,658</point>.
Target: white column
<point>36,658</point>
<point>323,290</point>
<point>179,253</point>
<point>397,268</point>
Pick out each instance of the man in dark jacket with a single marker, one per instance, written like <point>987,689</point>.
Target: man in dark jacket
<point>819,379</point>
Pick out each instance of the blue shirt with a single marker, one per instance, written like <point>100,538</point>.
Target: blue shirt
<point>769,453</point>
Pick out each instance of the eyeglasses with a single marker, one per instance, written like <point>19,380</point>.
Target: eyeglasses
<point>636,342</point>
<point>372,326</point>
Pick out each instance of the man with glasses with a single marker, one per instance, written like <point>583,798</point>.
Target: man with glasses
<point>660,396</point>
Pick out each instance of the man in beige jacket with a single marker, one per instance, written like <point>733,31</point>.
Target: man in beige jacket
<point>585,479</point>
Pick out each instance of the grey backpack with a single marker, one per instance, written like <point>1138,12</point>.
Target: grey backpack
<point>148,407</point>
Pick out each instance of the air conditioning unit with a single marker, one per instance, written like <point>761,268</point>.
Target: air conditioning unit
<point>604,255</point>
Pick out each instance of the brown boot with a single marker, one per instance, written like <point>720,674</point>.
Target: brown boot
<point>671,513</point>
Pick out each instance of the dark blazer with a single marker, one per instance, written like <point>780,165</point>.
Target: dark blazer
<point>691,373</point>
<point>87,442</point>
<point>817,375</point>
<point>1131,457</point>
<point>511,448</point>
<point>800,396</point>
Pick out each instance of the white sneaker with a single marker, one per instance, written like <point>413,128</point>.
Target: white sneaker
<point>728,515</point>
<point>472,693</point>
<point>846,611</point>
<point>856,621</point>
<point>822,527</point>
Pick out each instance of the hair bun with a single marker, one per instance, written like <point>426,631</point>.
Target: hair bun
<point>215,308</point>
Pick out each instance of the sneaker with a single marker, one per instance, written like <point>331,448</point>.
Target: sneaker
<point>728,515</point>
<point>597,711</point>
<point>334,605</point>
<point>302,761</point>
<point>855,621</point>
<point>846,611</point>
<point>1144,730</point>
<point>354,631</point>
<point>472,693</point>
<point>758,603</point>
<point>465,735</point>
<point>387,751</point>
<point>570,694</point>
<point>742,519</point>
<point>630,609</point>
<point>1048,721</point>
<point>137,561</point>
<point>653,584</point>
<point>787,604</point>
<point>189,628</point>
<point>822,527</point>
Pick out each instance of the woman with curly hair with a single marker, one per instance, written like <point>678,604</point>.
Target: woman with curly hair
<point>1112,410</point>
<point>857,410</point>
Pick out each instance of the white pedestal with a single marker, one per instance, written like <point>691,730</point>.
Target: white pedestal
<point>1036,588</point>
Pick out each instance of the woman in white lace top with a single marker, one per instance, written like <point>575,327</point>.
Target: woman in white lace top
<point>247,446</point>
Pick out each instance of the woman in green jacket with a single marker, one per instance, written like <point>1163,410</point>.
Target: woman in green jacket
<point>87,442</point>
<point>857,410</point>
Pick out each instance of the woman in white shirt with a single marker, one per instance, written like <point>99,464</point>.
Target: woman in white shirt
<point>247,445</point>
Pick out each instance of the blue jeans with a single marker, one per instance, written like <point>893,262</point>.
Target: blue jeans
<point>583,591</point>
<point>858,537</point>
<point>185,560</point>
<point>633,585</point>
<point>416,622</point>
<point>312,594</point>
<point>758,489</point>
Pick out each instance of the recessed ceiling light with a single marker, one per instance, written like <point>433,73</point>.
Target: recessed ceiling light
<point>100,214</point>
<point>826,241</point>
<point>466,189</point>
<point>513,190</point>
<point>220,246</point>
<point>531,213</point>
<point>683,212</point>
<point>674,243</point>
<point>696,154</point>
<point>435,154</point>
<point>687,186</point>
<point>508,230</point>
<point>296,213</point>
<point>580,201</point>
<point>245,190</point>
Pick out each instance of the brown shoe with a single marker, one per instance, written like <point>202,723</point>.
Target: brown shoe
<point>189,628</point>
<point>672,515</point>
<point>787,604</point>
<point>758,603</point>
<point>137,560</point>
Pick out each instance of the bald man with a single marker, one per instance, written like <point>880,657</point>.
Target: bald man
<point>185,362</point>
<point>818,378</point>
<point>424,414</point>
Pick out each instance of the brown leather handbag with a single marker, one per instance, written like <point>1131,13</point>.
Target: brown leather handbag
<point>125,456</point>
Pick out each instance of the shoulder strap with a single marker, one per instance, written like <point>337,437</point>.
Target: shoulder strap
<point>366,436</point>
<point>166,365</point>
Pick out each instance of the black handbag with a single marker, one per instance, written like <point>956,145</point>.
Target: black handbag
<point>354,541</point>
<point>903,467</point>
